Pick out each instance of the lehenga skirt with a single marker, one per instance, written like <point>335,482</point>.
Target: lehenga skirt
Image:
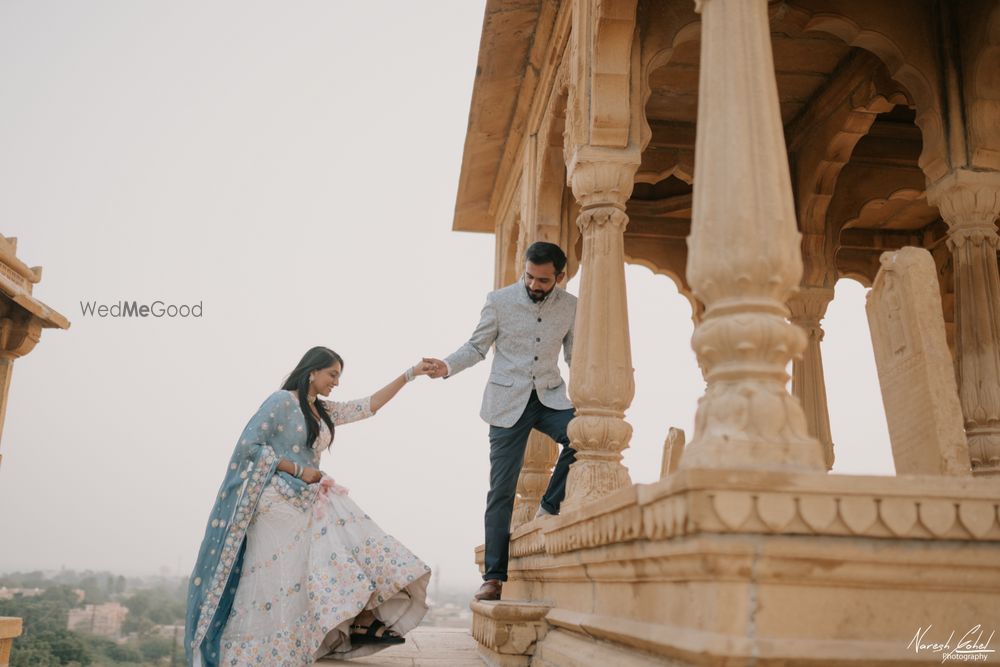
<point>307,573</point>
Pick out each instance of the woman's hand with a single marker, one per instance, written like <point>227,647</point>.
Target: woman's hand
<point>423,367</point>
<point>311,475</point>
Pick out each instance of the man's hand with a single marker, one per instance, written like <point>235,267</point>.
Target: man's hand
<point>438,368</point>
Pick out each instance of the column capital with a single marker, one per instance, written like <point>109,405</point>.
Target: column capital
<point>969,201</point>
<point>602,177</point>
<point>808,306</point>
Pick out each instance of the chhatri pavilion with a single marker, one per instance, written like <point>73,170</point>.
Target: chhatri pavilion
<point>755,152</point>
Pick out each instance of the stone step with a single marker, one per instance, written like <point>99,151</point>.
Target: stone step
<point>428,647</point>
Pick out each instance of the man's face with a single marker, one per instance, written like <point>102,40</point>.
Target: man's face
<point>540,279</point>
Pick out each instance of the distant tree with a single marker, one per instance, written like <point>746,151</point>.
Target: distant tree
<point>34,579</point>
<point>124,653</point>
<point>47,612</point>
<point>29,652</point>
<point>67,646</point>
<point>95,589</point>
<point>154,648</point>
<point>120,584</point>
<point>158,606</point>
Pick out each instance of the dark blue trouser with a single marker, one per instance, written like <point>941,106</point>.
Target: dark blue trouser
<point>507,446</point>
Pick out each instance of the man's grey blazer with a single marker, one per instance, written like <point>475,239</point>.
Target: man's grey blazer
<point>526,337</point>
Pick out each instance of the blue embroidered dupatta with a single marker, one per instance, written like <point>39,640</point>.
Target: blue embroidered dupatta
<point>277,431</point>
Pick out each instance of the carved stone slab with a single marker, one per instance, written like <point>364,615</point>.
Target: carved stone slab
<point>915,367</point>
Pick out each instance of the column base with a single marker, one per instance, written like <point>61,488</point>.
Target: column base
<point>984,450</point>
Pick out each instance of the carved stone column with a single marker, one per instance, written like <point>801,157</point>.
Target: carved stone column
<point>539,459</point>
<point>601,375</point>
<point>744,256</point>
<point>970,203</point>
<point>808,307</point>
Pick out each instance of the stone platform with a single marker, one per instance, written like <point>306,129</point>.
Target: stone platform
<point>428,647</point>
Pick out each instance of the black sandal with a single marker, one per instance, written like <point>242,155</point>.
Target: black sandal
<point>376,632</point>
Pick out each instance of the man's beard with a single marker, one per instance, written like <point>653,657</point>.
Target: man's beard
<point>537,296</point>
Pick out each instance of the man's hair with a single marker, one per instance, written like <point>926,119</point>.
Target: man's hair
<point>541,252</point>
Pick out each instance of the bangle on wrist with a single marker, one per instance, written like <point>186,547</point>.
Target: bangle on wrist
<point>409,374</point>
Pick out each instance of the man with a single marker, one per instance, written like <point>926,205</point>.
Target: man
<point>526,323</point>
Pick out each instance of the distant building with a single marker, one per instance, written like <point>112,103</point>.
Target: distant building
<point>11,593</point>
<point>98,619</point>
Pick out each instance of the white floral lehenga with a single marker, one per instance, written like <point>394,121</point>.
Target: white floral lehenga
<point>313,563</point>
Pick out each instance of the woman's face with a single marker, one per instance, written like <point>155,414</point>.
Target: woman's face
<point>325,379</point>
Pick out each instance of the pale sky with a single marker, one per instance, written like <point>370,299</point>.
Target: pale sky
<point>293,167</point>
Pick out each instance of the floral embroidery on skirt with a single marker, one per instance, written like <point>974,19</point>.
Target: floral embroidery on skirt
<point>308,574</point>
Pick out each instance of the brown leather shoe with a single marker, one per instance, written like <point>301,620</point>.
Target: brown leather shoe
<point>490,590</point>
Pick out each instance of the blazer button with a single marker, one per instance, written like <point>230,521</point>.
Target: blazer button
<point>536,358</point>
<point>538,340</point>
<point>539,319</point>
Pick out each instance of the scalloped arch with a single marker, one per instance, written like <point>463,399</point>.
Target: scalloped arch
<point>985,106</point>
<point>902,194</point>
<point>933,159</point>
<point>674,278</point>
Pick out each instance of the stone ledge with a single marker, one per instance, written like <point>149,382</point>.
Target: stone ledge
<point>590,640</point>
<point>507,631</point>
<point>721,501</point>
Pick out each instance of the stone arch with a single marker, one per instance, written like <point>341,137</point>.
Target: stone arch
<point>898,197</point>
<point>657,49</point>
<point>866,264</point>
<point>825,149</point>
<point>984,107</point>
<point>925,96</point>
<point>551,165</point>
<point>872,97</point>
<point>696,306</point>
<point>863,279</point>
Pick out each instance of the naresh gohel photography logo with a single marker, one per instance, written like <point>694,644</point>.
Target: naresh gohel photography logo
<point>123,309</point>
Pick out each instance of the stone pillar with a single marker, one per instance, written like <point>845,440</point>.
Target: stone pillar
<point>744,254</point>
<point>539,459</point>
<point>970,203</point>
<point>601,375</point>
<point>808,307</point>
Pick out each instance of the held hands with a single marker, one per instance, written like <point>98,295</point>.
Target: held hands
<point>438,369</point>
<point>422,367</point>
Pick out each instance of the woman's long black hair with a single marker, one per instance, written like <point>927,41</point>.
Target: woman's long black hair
<point>315,359</point>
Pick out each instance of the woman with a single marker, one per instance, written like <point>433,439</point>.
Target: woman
<point>290,569</point>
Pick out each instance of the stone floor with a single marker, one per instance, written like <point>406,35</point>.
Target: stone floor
<point>428,647</point>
